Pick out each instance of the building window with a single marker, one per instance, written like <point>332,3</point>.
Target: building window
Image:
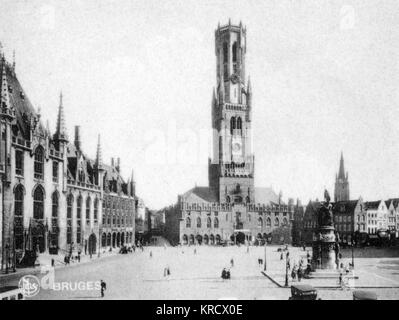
<point>232,124</point>
<point>276,222</point>
<point>69,218</point>
<point>39,163</point>
<point>268,222</point>
<point>19,217</point>
<point>225,52</point>
<point>216,223</point>
<point>95,210</point>
<point>88,204</point>
<point>198,222</point>
<point>38,204</point>
<point>260,222</point>
<point>54,211</point>
<point>19,163</point>
<point>79,219</point>
<point>55,171</point>
<point>285,222</point>
<point>209,223</point>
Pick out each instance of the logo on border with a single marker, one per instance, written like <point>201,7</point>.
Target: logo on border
<point>30,285</point>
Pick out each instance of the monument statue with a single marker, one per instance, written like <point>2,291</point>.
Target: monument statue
<point>325,253</point>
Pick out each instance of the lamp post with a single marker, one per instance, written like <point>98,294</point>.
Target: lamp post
<point>286,270</point>
<point>264,265</point>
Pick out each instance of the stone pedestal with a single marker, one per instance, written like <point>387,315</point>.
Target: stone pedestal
<point>324,255</point>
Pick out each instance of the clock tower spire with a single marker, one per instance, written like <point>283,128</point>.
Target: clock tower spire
<point>231,172</point>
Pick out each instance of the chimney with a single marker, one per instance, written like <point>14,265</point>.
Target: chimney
<point>77,142</point>
<point>118,164</point>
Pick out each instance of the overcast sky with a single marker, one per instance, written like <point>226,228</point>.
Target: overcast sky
<point>324,74</point>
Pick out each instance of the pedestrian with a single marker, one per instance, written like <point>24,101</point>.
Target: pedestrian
<point>103,288</point>
<point>224,274</point>
<point>150,254</point>
<point>308,255</point>
<point>232,262</point>
<point>195,250</point>
<point>300,274</point>
<point>281,256</point>
<point>79,255</point>
<point>293,274</point>
<point>228,275</point>
<point>340,278</point>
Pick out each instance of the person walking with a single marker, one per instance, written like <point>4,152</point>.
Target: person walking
<point>300,274</point>
<point>150,254</point>
<point>281,256</point>
<point>103,288</point>
<point>232,262</point>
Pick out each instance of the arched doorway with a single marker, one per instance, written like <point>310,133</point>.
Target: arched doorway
<point>212,239</point>
<point>122,239</point>
<point>199,239</point>
<point>109,239</point>
<point>218,239</point>
<point>206,239</point>
<point>118,239</point>
<point>38,238</point>
<point>114,240</point>
<point>92,243</point>
<point>185,239</point>
<point>192,239</point>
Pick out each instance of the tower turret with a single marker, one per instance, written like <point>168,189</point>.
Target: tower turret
<point>341,191</point>
<point>61,135</point>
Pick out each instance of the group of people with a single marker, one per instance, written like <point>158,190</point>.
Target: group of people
<point>69,257</point>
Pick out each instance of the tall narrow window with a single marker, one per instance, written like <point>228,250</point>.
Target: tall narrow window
<point>39,163</point>
<point>38,204</point>
<point>216,223</point>
<point>19,217</point>
<point>19,162</point>
<point>239,123</point>
<point>225,52</point>
<point>188,222</point>
<point>54,211</point>
<point>198,222</point>
<point>79,219</point>
<point>55,171</point>
<point>69,218</point>
<point>88,204</point>
<point>234,51</point>
<point>95,213</point>
<point>209,223</point>
<point>232,124</point>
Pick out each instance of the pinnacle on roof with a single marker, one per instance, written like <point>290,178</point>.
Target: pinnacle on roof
<point>99,159</point>
<point>61,133</point>
<point>5,107</point>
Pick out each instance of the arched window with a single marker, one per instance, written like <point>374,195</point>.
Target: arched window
<point>188,222</point>
<point>39,163</point>
<point>54,210</point>
<point>268,222</point>
<point>228,199</point>
<point>234,51</point>
<point>285,222</point>
<point>95,210</point>
<point>260,222</point>
<point>232,124</point>
<point>247,200</point>
<point>216,223</point>
<point>79,219</point>
<point>198,222</point>
<point>239,123</point>
<point>69,218</point>
<point>38,204</point>
<point>19,217</point>
<point>88,204</point>
<point>209,223</point>
<point>225,52</point>
<point>276,222</point>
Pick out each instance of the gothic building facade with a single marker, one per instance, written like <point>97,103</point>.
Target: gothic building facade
<point>231,207</point>
<point>53,197</point>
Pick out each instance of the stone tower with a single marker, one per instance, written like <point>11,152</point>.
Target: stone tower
<point>231,171</point>
<point>341,192</point>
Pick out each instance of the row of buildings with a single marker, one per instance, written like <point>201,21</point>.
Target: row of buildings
<point>53,197</point>
<point>354,220</point>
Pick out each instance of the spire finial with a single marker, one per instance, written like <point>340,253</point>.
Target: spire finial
<point>99,159</point>
<point>61,132</point>
<point>5,107</point>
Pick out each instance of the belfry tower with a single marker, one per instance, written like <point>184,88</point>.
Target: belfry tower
<point>231,171</point>
<point>341,192</point>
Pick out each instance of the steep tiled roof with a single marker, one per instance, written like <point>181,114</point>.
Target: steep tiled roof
<point>200,194</point>
<point>372,204</point>
<point>349,206</point>
<point>266,196</point>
